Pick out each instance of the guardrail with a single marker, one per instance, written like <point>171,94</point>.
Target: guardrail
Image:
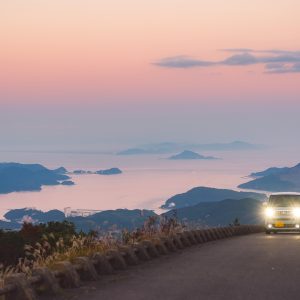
<point>66,274</point>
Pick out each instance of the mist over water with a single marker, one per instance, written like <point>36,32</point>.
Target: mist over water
<point>147,181</point>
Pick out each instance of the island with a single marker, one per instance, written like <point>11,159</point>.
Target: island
<point>172,147</point>
<point>132,151</point>
<point>17,177</point>
<point>80,172</point>
<point>207,194</point>
<point>111,171</point>
<point>61,170</point>
<point>68,182</point>
<point>189,155</point>
<point>277,180</point>
<point>232,146</point>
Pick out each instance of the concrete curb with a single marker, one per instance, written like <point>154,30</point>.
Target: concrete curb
<point>71,274</point>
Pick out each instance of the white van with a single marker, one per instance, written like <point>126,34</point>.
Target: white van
<point>282,212</point>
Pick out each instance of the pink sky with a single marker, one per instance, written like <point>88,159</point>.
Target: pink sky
<point>104,50</point>
<point>81,73</point>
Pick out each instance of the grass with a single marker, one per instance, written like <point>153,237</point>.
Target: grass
<point>51,249</point>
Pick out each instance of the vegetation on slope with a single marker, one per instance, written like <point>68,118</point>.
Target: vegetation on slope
<point>44,244</point>
<point>206,194</point>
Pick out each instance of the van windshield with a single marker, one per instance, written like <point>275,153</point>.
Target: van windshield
<point>284,200</point>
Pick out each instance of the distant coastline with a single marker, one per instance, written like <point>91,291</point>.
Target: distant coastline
<point>18,177</point>
<point>207,206</point>
<point>171,147</point>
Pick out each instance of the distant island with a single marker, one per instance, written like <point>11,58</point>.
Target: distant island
<point>187,155</point>
<point>17,177</point>
<point>207,194</point>
<point>170,147</point>
<point>275,180</point>
<point>61,170</point>
<point>80,172</point>
<point>111,171</point>
<point>132,151</point>
<point>68,182</point>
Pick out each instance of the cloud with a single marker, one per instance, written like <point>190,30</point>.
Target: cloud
<point>269,51</point>
<point>288,58</point>
<point>240,60</point>
<point>275,61</point>
<point>182,62</point>
<point>272,66</point>
<point>276,68</point>
<point>237,50</point>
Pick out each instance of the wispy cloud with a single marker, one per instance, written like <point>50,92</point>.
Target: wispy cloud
<point>275,61</point>
<point>243,59</point>
<point>277,68</point>
<point>182,61</point>
<point>237,50</point>
<point>270,51</point>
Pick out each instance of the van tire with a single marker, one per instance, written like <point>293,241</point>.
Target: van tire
<point>268,231</point>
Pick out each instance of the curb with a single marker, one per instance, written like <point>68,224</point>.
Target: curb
<point>68,274</point>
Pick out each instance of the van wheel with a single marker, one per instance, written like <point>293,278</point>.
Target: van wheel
<point>268,231</point>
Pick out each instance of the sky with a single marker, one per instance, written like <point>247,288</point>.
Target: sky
<point>86,73</point>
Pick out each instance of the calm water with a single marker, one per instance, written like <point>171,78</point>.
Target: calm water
<point>147,180</point>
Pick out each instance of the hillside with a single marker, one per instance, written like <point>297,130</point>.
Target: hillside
<point>248,211</point>
<point>280,180</point>
<point>36,216</point>
<point>269,171</point>
<point>109,219</point>
<point>206,194</point>
<point>105,220</point>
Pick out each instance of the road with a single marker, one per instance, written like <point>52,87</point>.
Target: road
<point>247,267</point>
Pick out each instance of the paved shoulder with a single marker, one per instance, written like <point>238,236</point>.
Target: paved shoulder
<point>247,267</point>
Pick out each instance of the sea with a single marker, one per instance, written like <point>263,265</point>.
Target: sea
<point>147,180</point>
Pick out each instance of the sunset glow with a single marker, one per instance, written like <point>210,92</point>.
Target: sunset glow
<point>62,48</point>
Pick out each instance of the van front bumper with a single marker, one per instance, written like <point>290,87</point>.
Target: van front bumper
<point>282,226</point>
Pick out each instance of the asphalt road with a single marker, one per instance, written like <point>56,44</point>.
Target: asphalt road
<point>248,267</point>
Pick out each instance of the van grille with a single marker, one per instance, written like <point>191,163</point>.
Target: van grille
<point>283,213</point>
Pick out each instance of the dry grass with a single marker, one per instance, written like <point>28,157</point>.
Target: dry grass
<point>154,227</point>
<point>51,250</point>
<point>44,255</point>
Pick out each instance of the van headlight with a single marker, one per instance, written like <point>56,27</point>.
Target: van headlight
<point>269,212</point>
<point>296,212</point>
